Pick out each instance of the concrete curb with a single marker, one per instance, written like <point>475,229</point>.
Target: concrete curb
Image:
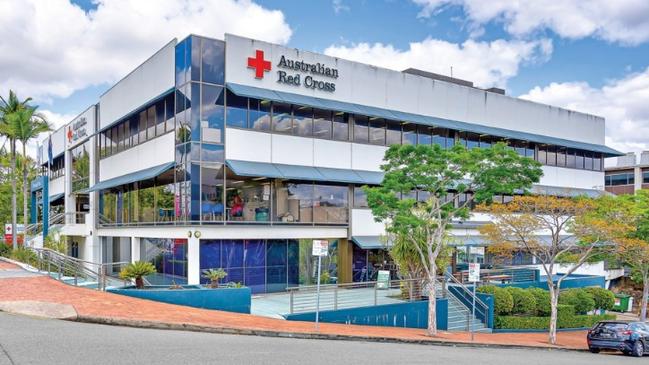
<point>299,335</point>
<point>22,265</point>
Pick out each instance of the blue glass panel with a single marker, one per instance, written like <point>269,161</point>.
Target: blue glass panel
<point>195,207</point>
<point>255,262</point>
<point>195,118</point>
<point>276,269</point>
<point>180,63</point>
<point>195,58</point>
<point>293,259</point>
<point>232,254</point>
<point>359,265</point>
<point>212,153</point>
<point>210,256</point>
<point>213,112</point>
<point>213,61</point>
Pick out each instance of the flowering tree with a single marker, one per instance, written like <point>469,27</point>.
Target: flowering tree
<point>448,182</point>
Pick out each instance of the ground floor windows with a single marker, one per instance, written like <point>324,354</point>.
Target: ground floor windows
<point>366,264</point>
<point>169,256</point>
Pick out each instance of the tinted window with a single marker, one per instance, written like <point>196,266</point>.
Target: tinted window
<point>409,133</point>
<point>302,121</point>
<point>424,135</point>
<point>237,110</point>
<point>260,114</point>
<point>361,129</point>
<point>377,132</point>
<point>321,123</point>
<point>282,118</point>
<point>340,126</point>
<point>213,112</point>
<point>213,57</point>
<point>393,133</point>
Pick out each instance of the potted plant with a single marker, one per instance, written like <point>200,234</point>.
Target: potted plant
<point>214,275</point>
<point>137,270</point>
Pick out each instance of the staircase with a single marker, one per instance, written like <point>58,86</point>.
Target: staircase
<point>459,317</point>
<point>460,300</point>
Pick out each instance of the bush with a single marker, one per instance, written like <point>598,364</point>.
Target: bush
<point>542,297</point>
<point>503,300</point>
<point>579,298</point>
<point>5,250</point>
<point>524,301</point>
<point>604,299</point>
<point>543,323</point>
<point>24,255</point>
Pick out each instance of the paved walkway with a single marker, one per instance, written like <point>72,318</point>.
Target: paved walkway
<point>97,306</point>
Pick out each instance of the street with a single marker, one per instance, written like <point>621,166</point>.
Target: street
<point>26,340</point>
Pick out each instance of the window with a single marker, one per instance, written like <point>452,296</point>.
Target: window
<point>321,123</point>
<point>330,203</point>
<point>393,133</point>
<point>81,166</point>
<point>579,159</point>
<point>621,179</point>
<point>645,177</point>
<point>486,141</point>
<point>213,61</point>
<point>424,135</point>
<point>588,161</point>
<point>302,121</point>
<point>409,133</point>
<point>259,114</point>
<point>340,126</point>
<point>597,162</point>
<point>551,158</point>
<point>160,118</point>
<point>134,131</point>
<point>360,198</point>
<point>150,122</point>
<point>212,119</point>
<point>282,118</point>
<point>142,126</point>
<point>169,113</point>
<point>570,158</point>
<point>377,132</point>
<point>561,156</point>
<point>120,137</point>
<point>542,155</point>
<point>236,111</point>
<point>127,134</point>
<point>361,129</point>
<point>293,202</point>
<point>443,138</point>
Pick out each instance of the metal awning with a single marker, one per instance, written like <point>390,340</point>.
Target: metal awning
<point>371,242</point>
<point>296,172</point>
<point>55,197</point>
<point>145,174</point>
<point>284,97</point>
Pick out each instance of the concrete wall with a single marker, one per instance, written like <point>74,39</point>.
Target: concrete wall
<point>148,81</point>
<point>152,153</point>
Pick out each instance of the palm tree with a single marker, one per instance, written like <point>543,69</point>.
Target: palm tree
<point>28,125</point>
<point>7,129</point>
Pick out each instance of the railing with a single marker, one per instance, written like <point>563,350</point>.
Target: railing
<point>466,297</point>
<point>350,295</point>
<point>77,272</point>
<point>75,217</point>
<point>501,276</point>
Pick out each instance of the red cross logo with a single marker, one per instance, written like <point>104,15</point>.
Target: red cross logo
<point>259,64</point>
<point>70,135</point>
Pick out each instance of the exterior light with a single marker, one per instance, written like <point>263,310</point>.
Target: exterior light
<point>197,234</point>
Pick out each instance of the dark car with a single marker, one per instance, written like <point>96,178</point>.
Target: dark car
<point>632,338</point>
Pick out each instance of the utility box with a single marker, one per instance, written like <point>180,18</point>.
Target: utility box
<point>622,303</point>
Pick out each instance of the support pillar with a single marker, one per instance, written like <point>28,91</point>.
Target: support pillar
<point>193,260</point>
<point>345,257</point>
<point>135,249</point>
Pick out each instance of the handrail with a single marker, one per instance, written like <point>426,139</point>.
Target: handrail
<point>464,288</point>
<point>484,308</point>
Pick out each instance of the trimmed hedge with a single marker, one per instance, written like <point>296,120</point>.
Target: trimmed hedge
<point>542,297</point>
<point>503,300</point>
<point>579,298</point>
<point>543,323</point>
<point>604,299</point>
<point>524,301</point>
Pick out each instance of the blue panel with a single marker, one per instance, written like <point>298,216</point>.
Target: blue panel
<point>340,175</point>
<point>370,177</point>
<point>210,257</point>
<point>293,259</point>
<point>258,93</point>
<point>145,174</point>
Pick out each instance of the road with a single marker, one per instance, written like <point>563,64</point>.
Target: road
<point>26,340</point>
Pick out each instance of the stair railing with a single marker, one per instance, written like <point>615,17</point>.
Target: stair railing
<point>466,297</point>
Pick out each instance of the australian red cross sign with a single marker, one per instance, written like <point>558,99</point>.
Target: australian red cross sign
<point>259,64</point>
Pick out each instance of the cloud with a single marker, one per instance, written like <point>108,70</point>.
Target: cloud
<point>623,102</point>
<point>485,63</point>
<point>339,6</point>
<point>53,48</point>
<point>619,21</point>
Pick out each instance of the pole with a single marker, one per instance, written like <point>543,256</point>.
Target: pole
<point>317,300</point>
<point>475,283</point>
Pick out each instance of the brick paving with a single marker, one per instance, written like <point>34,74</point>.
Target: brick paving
<point>100,305</point>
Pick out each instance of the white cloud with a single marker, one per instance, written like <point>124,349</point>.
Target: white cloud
<point>485,63</point>
<point>623,102</point>
<point>623,21</point>
<point>339,6</point>
<point>53,48</point>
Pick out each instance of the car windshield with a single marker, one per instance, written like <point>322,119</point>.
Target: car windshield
<point>613,326</point>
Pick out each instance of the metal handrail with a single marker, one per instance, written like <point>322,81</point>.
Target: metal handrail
<point>466,291</point>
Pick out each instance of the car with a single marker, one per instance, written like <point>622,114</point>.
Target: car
<point>632,338</point>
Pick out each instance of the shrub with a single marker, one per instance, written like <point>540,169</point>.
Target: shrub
<point>137,270</point>
<point>543,323</point>
<point>524,301</point>
<point>24,255</point>
<point>503,301</point>
<point>604,299</point>
<point>542,297</point>
<point>5,250</point>
<point>579,298</point>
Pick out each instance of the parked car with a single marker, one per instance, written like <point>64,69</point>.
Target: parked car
<point>632,338</point>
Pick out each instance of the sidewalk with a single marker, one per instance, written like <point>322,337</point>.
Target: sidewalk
<point>101,307</point>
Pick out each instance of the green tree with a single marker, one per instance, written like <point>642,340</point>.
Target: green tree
<point>27,124</point>
<point>8,108</point>
<point>443,175</point>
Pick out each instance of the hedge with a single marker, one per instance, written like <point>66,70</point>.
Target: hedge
<point>503,300</point>
<point>542,297</point>
<point>524,301</point>
<point>543,323</point>
<point>582,300</point>
<point>604,299</point>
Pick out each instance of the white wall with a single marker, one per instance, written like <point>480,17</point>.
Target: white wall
<point>363,224</point>
<point>572,178</point>
<point>228,232</point>
<point>149,154</point>
<point>149,80</point>
<point>58,144</point>
<point>57,186</point>
<point>388,89</point>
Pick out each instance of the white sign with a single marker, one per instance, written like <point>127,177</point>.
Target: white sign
<point>82,127</point>
<point>320,248</point>
<point>474,272</point>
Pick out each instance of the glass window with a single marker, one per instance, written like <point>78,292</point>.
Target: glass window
<point>470,140</point>
<point>597,162</point>
<point>212,207</point>
<point>570,158</point>
<point>330,203</point>
<point>361,129</point>
<point>302,121</point>
<point>607,180</point>
<point>393,133</point>
<point>529,150</point>
<point>169,256</point>
<point>340,126</point>
<point>424,135</point>
<point>645,177</point>
<point>150,122</point>
<point>102,145</point>
<point>542,154</point>
<point>212,120</point>
<point>260,114</point>
<point>248,199</point>
<point>134,130</point>
<point>127,134</point>
<point>160,118</point>
<point>321,123</point>
<point>113,140</point>
<point>195,55</point>
<point>293,202</point>
<point>486,141</point>
<point>81,166</point>
<point>181,63</point>
<point>282,121</point>
<point>213,57</point>
<point>360,198</point>
<point>620,179</point>
<point>120,137</point>
<point>579,159</point>
<point>441,138</point>
<point>551,158</point>
<point>561,156</point>
<point>630,178</point>
<point>588,161</point>
<point>236,111</point>
<point>169,113</point>
<point>409,133</point>
<point>377,132</point>
<point>142,128</point>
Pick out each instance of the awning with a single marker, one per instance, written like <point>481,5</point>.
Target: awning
<point>284,97</point>
<point>296,172</point>
<point>145,174</point>
<point>55,197</point>
<point>371,242</point>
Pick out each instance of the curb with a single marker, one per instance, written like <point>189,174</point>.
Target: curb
<point>22,265</point>
<point>300,335</point>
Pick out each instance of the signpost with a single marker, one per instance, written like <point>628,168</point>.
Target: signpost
<point>320,248</point>
<point>474,277</point>
<point>383,279</point>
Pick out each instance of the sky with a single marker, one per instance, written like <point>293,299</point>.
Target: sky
<point>590,56</point>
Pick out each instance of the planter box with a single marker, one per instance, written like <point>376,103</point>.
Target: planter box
<point>197,296</point>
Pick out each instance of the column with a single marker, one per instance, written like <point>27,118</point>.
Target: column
<point>193,260</point>
<point>135,249</point>
<point>345,257</point>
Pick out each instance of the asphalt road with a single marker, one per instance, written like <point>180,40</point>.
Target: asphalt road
<point>25,340</point>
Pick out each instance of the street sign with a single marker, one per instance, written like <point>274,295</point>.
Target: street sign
<point>474,272</point>
<point>320,248</point>
<point>383,279</point>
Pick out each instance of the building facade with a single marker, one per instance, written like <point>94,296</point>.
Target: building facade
<point>236,154</point>
<point>628,175</point>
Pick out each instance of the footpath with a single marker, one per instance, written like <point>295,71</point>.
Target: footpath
<point>27,293</point>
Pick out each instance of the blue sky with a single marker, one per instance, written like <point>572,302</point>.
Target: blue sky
<point>563,53</point>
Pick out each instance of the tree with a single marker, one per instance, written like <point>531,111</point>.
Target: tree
<point>137,270</point>
<point>7,129</point>
<point>27,125</point>
<point>554,230</point>
<point>449,181</point>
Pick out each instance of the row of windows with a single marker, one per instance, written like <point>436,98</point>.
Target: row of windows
<point>620,179</point>
<point>301,121</point>
<point>149,122</point>
<point>57,169</point>
<point>360,198</point>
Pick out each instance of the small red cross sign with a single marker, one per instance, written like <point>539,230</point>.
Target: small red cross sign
<point>259,64</point>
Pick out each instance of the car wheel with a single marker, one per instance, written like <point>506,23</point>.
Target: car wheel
<point>593,350</point>
<point>638,349</point>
